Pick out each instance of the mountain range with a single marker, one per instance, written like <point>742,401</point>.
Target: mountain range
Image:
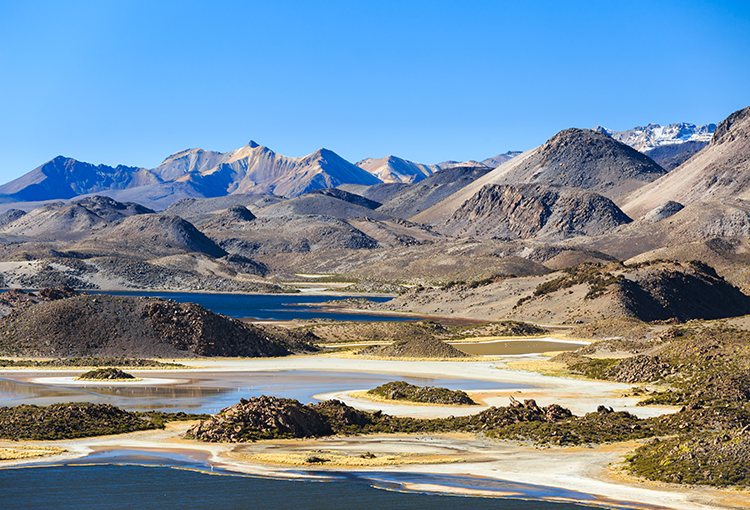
<point>197,173</point>
<point>234,219</point>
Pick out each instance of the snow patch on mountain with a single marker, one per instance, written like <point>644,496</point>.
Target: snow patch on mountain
<point>645,138</point>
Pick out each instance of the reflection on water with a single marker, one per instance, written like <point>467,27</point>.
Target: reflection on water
<point>209,392</point>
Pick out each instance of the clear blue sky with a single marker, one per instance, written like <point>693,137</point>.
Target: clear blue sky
<point>130,82</point>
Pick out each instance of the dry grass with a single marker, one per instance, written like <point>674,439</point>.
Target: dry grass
<point>351,355</point>
<point>543,367</point>
<point>28,452</point>
<point>339,459</point>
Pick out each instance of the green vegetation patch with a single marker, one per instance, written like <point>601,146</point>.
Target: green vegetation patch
<point>401,390</point>
<point>719,459</point>
<point>79,419</point>
<point>67,421</point>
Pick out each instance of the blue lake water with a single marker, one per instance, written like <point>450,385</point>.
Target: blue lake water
<point>267,306</point>
<point>125,487</point>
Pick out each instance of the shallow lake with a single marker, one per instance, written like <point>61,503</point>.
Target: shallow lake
<point>268,306</point>
<point>208,392</point>
<point>517,347</point>
<point>125,487</point>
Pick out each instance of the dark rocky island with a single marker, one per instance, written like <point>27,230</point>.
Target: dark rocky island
<point>106,374</point>
<point>402,390</point>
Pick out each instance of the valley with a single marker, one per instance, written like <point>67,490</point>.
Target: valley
<point>570,317</point>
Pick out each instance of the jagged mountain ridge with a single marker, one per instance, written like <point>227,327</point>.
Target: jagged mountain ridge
<point>646,138</point>
<point>721,171</point>
<point>257,169</point>
<point>192,173</point>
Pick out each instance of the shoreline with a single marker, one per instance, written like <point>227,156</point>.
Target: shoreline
<point>582,469</point>
<point>588,472</point>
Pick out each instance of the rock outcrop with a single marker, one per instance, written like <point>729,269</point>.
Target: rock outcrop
<point>524,211</point>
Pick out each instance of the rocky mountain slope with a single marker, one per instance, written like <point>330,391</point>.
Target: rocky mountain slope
<point>418,197</point>
<point>102,325</point>
<point>671,156</point>
<point>719,171</point>
<point>532,210</point>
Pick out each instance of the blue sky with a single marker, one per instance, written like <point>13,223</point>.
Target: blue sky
<point>130,82</point>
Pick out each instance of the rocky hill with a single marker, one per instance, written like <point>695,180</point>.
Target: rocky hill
<point>289,234</point>
<point>102,325</point>
<point>10,216</point>
<point>196,210</point>
<point>720,171</point>
<point>323,204</point>
<point>162,229</point>
<point>533,210</point>
<point>402,390</point>
<point>586,159</point>
<point>346,196</point>
<point>276,418</point>
<point>74,220</point>
<point>232,217</point>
